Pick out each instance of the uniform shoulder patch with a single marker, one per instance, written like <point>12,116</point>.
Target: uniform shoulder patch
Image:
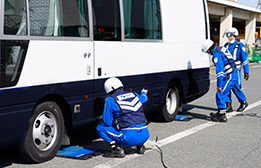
<point>215,60</point>
<point>244,49</point>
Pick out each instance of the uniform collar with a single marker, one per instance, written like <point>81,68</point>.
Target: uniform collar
<point>214,50</point>
<point>236,41</point>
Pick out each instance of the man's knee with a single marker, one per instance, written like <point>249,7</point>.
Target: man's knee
<point>100,128</point>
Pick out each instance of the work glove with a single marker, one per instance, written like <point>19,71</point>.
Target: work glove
<point>246,76</point>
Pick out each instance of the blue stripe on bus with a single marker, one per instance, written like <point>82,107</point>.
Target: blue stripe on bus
<point>92,87</point>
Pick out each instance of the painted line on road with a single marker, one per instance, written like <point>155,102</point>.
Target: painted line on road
<point>229,115</point>
<point>253,105</point>
<point>183,134</point>
<point>172,138</point>
<point>255,67</point>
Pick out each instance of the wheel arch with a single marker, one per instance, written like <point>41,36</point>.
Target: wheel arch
<point>98,109</point>
<point>64,106</point>
<point>176,82</point>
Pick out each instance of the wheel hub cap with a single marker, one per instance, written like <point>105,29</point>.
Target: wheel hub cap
<point>44,130</point>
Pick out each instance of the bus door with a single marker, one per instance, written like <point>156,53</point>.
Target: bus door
<point>107,40</point>
<point>106,47</point>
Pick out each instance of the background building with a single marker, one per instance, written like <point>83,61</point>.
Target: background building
<point>224,14</point>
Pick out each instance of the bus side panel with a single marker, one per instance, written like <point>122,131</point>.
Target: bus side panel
<point>81,111</point>
<point>23,95</point>
<point>184,29</point>
<point>57,62</point>
<point>185,61</point>
<point>183,22</point>
<point>72,94</point>
<point>14,120</point>
<point>194,84</point>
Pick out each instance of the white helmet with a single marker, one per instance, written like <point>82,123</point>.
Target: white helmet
<point>112,84</point>
<point>206,45</point>
<point>231,32</point>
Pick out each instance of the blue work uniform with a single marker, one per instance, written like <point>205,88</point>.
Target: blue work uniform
<point>238,51</point>
<point>123,119</point>
<point>227,77</point>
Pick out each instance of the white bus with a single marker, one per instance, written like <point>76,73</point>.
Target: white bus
<point>56,55</point>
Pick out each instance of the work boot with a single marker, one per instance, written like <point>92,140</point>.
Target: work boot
<point>116,151</point>
<point>140,149</point>
<point>242,106</point>
<point>229,107</point>
<point>217,117</point>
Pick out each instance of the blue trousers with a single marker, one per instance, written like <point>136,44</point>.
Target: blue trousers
<point>135,135</point>
<point>236,92</point>
<point>227,84</point>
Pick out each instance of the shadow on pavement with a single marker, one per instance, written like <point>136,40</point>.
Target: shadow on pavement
<point>187,108</point>
<point>186,112</point>
<point>10,156</point>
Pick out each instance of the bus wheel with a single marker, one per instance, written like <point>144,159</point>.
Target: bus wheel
<point>171,106</point>
<point>44,133</point>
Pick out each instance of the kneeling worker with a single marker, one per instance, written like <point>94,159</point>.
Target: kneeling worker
<point>227,78</point>
<point>124,122</point>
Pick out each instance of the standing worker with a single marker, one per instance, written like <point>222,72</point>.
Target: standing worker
<point>124,122</point>
<point>238,51</point>
<point>227,77</point>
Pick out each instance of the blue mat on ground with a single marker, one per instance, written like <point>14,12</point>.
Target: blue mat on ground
<point>183,118</point>
<point>77,152</point>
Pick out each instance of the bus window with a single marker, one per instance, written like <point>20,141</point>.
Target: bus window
<point>15,18</point>
<point>12,58</point>
<point>142,19</point>
<point>106,20</point>
<point>59,18</point>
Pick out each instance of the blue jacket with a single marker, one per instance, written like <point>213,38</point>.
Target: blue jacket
<point>224,63</point>
<point>112,110</point>
<point>241,54</point>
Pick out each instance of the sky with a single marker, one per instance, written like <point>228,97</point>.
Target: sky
<point>251,3</point>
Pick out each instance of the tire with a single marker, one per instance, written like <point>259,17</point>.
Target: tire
<point>44,133</point>
<point>171,106</point>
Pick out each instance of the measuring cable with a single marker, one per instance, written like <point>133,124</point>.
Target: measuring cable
<point>161,153</point>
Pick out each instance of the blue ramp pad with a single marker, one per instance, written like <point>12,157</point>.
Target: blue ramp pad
<point>77,152</point>
<point>183,118</point>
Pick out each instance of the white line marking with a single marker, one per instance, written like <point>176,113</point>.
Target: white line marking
<point>255,67</point>
<point>183,134</point>
<point>172,138</point>
<point>253,105</point>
